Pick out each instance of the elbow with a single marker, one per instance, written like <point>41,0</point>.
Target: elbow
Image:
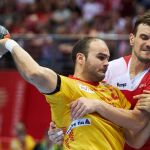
<point>139,123</point>
<point>140,126</point>
<point>134,143</point>
<point>32,76</point>
<point>136,146</point>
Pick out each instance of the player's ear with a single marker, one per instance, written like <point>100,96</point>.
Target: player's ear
<point>80,58</point>
<point>131,39</point>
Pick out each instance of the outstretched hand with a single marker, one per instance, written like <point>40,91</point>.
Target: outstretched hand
<point>143,101</point>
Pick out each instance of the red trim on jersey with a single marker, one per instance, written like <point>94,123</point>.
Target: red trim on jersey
<point>127,58</point>
<point>92,83</point>
<point>138,90</point>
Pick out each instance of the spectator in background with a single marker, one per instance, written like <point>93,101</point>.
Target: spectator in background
<point>22,141</point>
<point>91,8</point>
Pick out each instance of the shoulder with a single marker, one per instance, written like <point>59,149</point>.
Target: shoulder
<point>120,61</point>
<point>116,68</point>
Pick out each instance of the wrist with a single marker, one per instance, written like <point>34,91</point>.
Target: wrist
<point>10,44</point>
<point>97,106</point>
<point>100,107</point>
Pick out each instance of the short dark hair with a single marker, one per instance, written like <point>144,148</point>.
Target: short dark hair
<point>82,46</point>
<point>142,19</point>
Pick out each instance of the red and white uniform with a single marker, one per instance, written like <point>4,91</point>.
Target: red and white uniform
<point>118,75</point>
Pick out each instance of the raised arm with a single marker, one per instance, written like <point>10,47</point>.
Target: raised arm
<point>43,78</point>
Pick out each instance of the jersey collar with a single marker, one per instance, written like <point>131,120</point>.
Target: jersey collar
<point>92,83</point>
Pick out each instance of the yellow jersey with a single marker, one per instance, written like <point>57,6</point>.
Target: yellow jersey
<point>91,132</point>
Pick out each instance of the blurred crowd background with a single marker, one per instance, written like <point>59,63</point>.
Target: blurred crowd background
<point>47,29</point>
<point>70,16</point>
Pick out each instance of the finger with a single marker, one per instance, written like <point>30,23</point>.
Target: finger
<point>140,96</point>
<point>142,104</point>
<point>60,133</point>
<point>60,138</point>
<point>75,109</point>
<point>53,135</point>
<point>59,143</point>
<point>77,114</point>
<point>142,108</point>
<point>73,104</point>
<point>146,91</point>
<point>52,125</point>
<point>83,113</point>
<point>52,128</point>
<point>146,100</point>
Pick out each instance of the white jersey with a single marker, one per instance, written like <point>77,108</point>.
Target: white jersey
<point>118,75</point>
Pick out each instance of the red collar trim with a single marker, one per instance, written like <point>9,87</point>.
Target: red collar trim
<point>92,83</point>
<point>127,58</point>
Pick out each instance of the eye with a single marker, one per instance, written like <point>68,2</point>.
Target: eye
<point>102,58</point>
<point>144,37</point>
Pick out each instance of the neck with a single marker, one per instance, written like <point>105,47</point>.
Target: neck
<point>78,73</point>
<point>80,76</point>
<point>136,66</point>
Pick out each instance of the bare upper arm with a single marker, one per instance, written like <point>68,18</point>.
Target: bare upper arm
<point>45,80</point>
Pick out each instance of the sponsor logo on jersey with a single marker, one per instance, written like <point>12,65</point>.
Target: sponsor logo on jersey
<point>85,88</point>
<point>78,123</point>
<point>121,85</point>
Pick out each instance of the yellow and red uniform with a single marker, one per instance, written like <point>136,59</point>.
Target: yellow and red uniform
<point>92,131</point>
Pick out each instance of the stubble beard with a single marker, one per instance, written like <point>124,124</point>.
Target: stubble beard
<point>142,59</point>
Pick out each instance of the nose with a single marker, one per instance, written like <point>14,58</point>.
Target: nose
<point>148,47</point>
<point>106,63</point>
<point>148,44</point>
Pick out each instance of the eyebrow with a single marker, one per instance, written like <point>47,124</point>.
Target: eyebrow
<point>144,34</point>
<point>102,54</point>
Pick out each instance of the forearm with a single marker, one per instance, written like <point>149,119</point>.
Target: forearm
<point>137,140</point>
<point>25,64</point>
<point>130,119</point>
<point>43,78</point>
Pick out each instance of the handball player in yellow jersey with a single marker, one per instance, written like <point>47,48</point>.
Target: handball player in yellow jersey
<point>90,56</point>
<point>131,74</point>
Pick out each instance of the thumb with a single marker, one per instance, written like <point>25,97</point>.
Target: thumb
<point>52,125</point>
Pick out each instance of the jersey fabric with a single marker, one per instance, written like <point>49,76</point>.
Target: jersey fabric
<point>118,76</point>
<point>91,131</point>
